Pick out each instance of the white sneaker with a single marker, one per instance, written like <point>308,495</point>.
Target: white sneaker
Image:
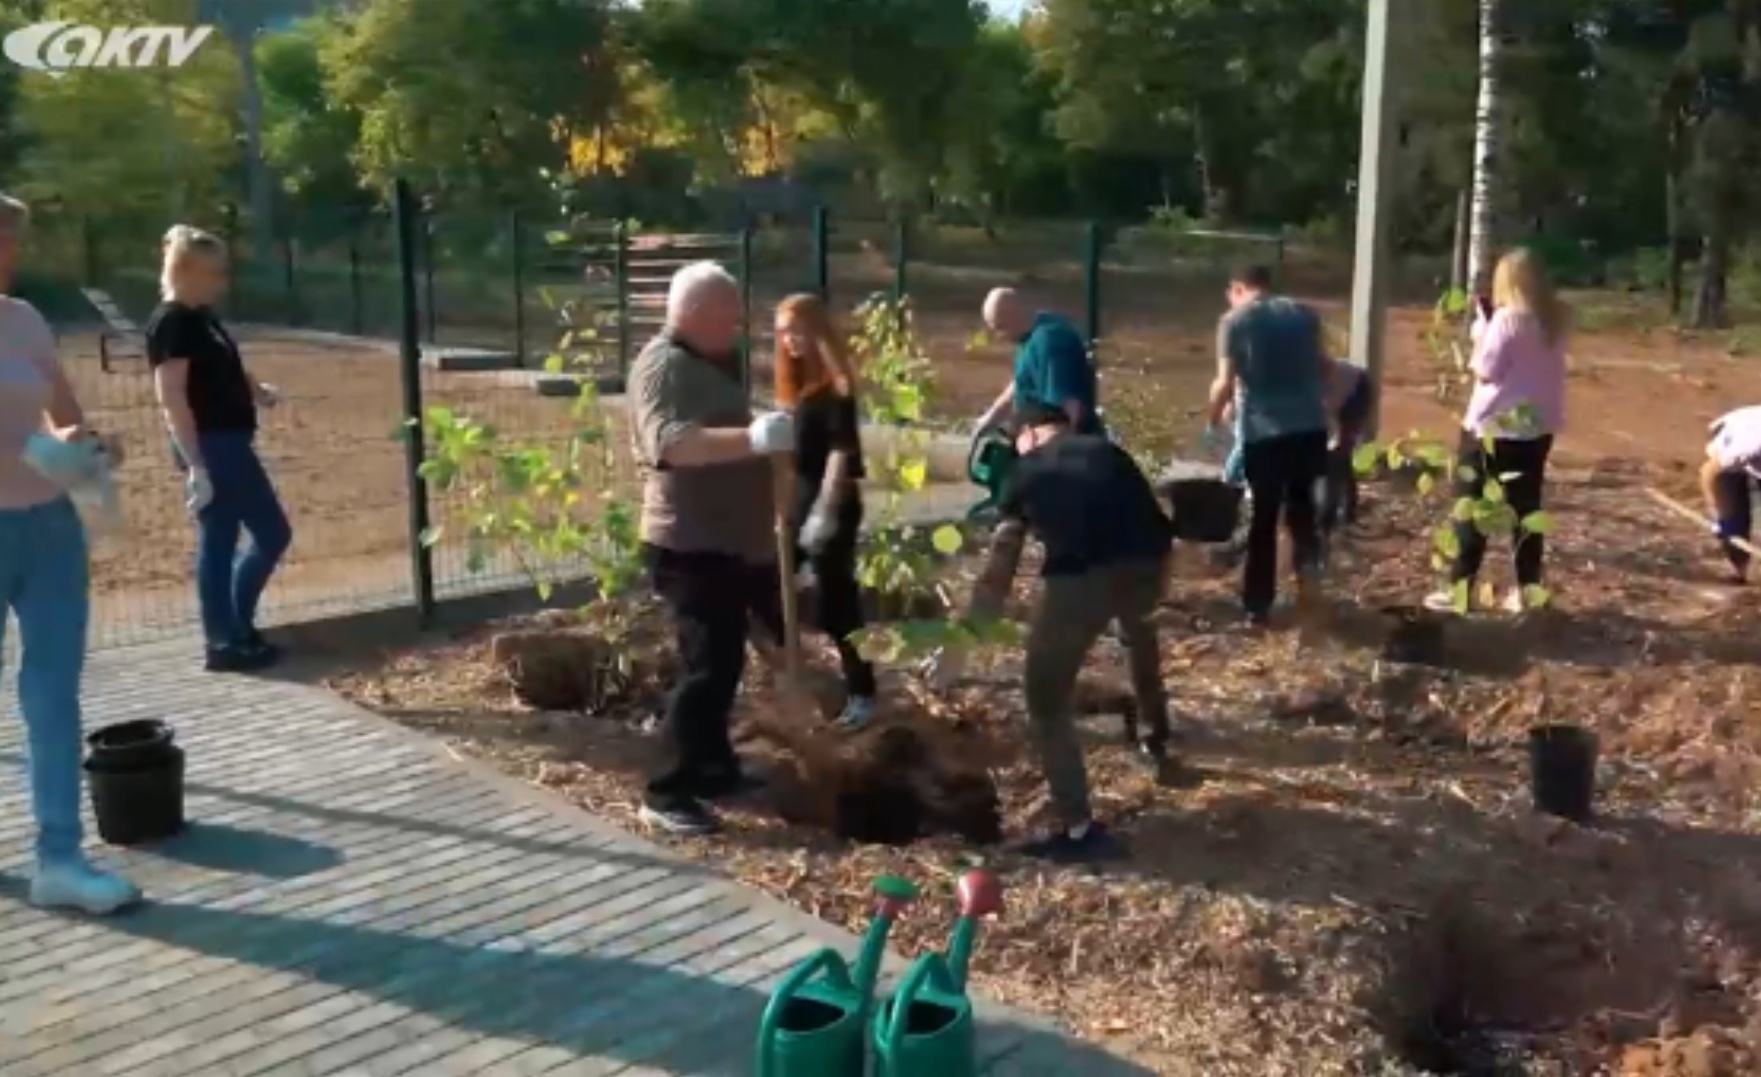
<point>858,712</point>
<point>1440,602</point>
<point>76,884</point>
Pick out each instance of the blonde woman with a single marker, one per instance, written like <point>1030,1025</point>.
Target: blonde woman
<point>1518,402</point>
<point>45,584</point>
<point>210,405</point>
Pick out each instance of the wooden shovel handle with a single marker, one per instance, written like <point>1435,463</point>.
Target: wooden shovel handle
<point>1687,513</point>
<point>782,475</point>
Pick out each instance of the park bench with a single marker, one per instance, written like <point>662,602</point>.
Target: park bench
<point>121,338</point>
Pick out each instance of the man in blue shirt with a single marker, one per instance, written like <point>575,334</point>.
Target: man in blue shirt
<point>1272,366</point>
<point>1053,365</point>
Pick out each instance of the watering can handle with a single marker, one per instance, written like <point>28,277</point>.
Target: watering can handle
<point>922,970</point>
<point>828,961</point>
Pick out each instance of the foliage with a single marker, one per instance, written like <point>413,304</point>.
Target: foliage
<point>1434,466</point>
<point>898,560</point>
<point>1442,339</point>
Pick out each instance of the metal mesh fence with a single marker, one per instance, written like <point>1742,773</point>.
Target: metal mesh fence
<point>318,313</point>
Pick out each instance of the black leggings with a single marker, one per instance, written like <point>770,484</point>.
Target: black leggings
<point>1525,461</point>
<point>840,604</point>
<point>1283,474</point>
<point>1734,490</point>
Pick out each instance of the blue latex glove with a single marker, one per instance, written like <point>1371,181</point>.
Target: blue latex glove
<point>66,463</point>
<point>1211,438</point>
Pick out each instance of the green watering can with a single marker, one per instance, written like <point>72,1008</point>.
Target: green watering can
<point>989,464</point>
<point>815,1022</point>
<point>926,1028</point>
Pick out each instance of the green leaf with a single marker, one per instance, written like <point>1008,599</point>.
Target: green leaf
<point>431,535</point>
<point>1365,457</point>
<point>1466,473</point>
<point>1445,542</point>
<point>947,540</point>
<point>1536,597</point>
<point>1426,483</point>
<point>1463,510</point>
<point>1493,492</point>
<point>1488,596</point>
<point>1460,598</point>
<point>1538,523</point>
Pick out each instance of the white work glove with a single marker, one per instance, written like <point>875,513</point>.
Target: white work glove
<point>943,668</point>
<point>198,490</point>
<point>267,396</point>
<point>771,433</point>
<point>816,531</point>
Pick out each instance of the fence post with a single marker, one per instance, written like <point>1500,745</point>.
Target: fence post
<point>410,371</point>
<point>357,320</point>
<point>1091,280</point>
<point>516,238</point>
<point>746,309</point>
<point>620,270</point>
<point>901,256</point>
<point>822,262</point>
<point>291,300</point>
<point>432,315</point>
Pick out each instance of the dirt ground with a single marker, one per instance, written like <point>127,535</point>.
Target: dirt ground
<point>333,451</point>
<point>1346,877</point>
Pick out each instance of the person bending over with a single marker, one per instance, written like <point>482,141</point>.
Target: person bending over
<point>708,534</point>
<point>1053,365</point>
<point>1107,557</point>
<point>816,381</point>
<point>1350,397</point>
<point>1272,368</point>
<point>210,405</point>
<point>1728,479</point>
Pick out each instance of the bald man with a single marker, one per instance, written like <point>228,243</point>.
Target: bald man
<point>1053,366</point>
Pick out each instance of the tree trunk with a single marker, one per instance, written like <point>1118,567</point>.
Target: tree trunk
<point>1488,135</point>
<point>1672,194</point>
<point>1458,255</point>
<point>1711,309</point>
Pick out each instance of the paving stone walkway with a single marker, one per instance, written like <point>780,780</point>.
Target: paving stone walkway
<point>350,900</point>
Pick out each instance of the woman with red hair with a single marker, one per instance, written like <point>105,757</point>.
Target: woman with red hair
<point>816,380</point>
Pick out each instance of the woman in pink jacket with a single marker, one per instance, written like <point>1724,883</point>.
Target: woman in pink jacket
<point>1518,403</point>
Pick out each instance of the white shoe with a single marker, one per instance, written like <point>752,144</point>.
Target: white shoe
<point>1513,602</point>
<point>1440,602</point>
<point>76,884</point>
<point>858,712</point>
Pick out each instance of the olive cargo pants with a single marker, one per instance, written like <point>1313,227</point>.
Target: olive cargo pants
<point>1073,612</point>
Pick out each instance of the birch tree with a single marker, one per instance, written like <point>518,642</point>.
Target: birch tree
<point>1488,136</point>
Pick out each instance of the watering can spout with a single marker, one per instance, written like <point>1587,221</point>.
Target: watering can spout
<point>892,895</point>
<point>981,895</point>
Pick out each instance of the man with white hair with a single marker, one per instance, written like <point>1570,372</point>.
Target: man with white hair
<point>1053,367</point>
<point>707,533</point>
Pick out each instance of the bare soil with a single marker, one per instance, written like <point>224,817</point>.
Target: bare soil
<point>1347,877</point>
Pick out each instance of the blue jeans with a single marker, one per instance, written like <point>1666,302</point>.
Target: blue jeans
<point>230,584</point>
<point>45,582</point>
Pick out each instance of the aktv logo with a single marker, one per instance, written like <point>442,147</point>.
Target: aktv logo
<point>55,48</point>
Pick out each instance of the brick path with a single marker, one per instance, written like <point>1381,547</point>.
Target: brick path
<point>351,900</point>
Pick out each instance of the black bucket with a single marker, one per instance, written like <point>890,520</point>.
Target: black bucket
<point>1562,771</point>
<point>1416,638</point>
<point>1204,510</point>
<point>134,774</point>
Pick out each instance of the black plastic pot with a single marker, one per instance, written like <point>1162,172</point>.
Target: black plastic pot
<point>1205,510</point>
<point>1562,771</point>
<point>135,777</point>
<point>1417,637</point>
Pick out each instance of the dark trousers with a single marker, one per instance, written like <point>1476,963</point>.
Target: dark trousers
<point>840,603</point>
<point>1339,491</point>
<point>1524,461</point>
<point>1734,490</point>
<point>1073,612</point>
<point>710,598</point>
<point>1282,475</point>
<point>230,583</point>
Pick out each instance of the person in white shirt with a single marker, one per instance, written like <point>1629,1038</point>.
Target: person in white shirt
<point>1728,478</point>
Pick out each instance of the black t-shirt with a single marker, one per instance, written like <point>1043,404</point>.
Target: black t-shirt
<point>826,422</point>
<point>1087,502</point>
<point>220,393</point>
